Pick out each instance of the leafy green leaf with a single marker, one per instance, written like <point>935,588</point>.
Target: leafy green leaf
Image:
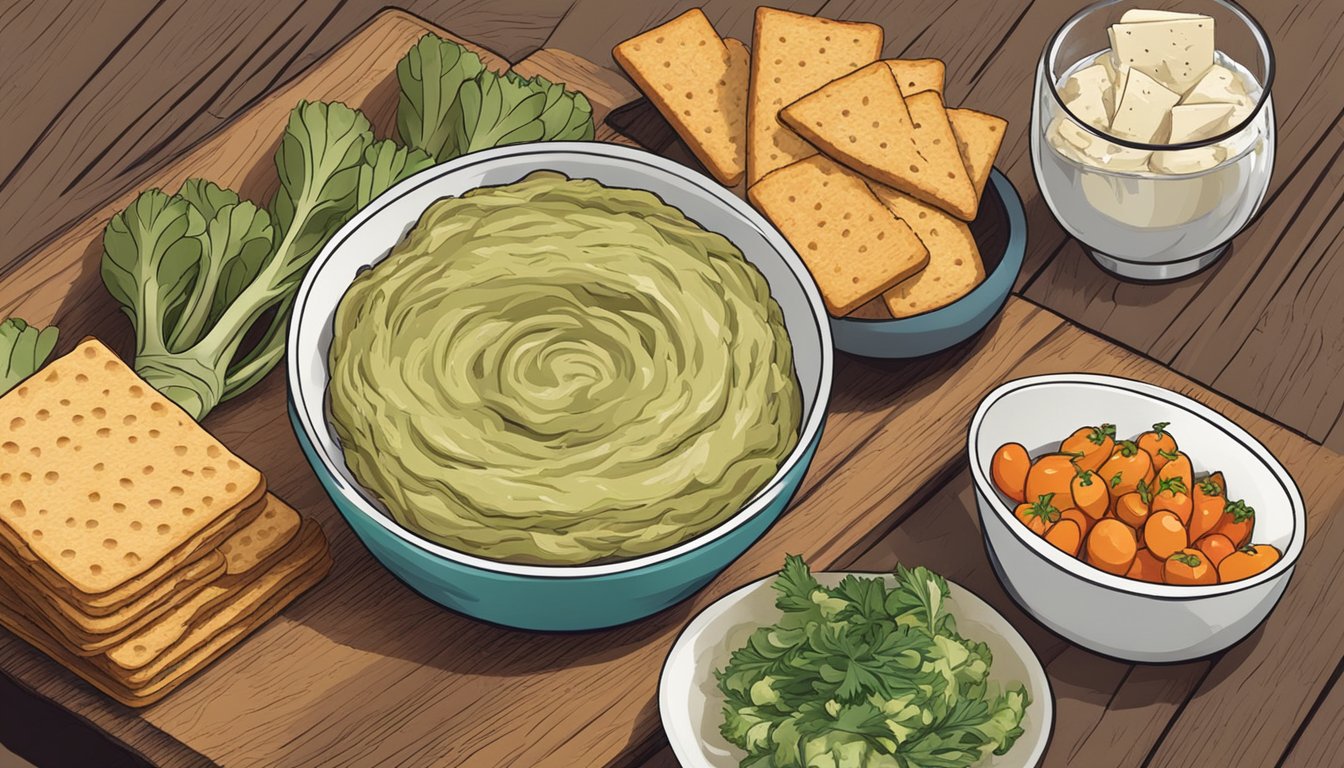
<point>430,76</point>
<point>384,165</point>
<point>151,252</point>
<point>235,243</point>
<point>566,115</point>
<point>867,675</point>
<point>492,111</point>
<point>23,350</point>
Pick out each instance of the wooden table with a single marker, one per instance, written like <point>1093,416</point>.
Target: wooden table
<point>98,99</point>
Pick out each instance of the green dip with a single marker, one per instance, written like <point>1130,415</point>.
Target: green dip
<point>558,372</point>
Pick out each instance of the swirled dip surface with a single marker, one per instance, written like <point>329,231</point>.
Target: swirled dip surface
<point>558,372</point>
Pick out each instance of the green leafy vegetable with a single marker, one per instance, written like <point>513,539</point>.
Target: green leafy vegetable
<point>451,105</point>
<point>492,111</point>
<point>864,675</point>
<point>23,350</point>
<point>196,271</point>
<point>386,164</point>
<point>207,279</point>
<point>565,115</point>
<point>430,76</point>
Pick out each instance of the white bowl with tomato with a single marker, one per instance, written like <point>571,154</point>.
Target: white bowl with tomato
<point>1130,519</point>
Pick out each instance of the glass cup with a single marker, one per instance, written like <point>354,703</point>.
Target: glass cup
<point>1153,211</point>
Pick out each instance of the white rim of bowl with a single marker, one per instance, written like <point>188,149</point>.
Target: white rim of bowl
<point>300,395</point>
<point>1109,581</point>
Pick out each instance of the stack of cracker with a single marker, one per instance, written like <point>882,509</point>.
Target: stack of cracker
<point>856,160</point>
<point>134,547</point>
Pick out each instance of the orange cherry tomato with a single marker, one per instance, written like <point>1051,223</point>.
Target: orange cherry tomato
<point>1052,474</point>
<point>1156,441</point>
<point>1189,567</point>
<point>1208,502</point>
<point>1177,465</point>
<point>1084,522</point>
<point>1038,516</point>
<point>1066,536</point>
<point>1111,546</point>
<point>1090,445</point>
<point>1146,567</point>
<point>1237,522</point>
<point>1247,562</point>
<point>1127,466</point>
<point>1090,494</point>
<point>1216,547</point>
<point>1009,468</point>
<point>1164,534</point>
<point>1172,495</point>
<point>1133,508</point>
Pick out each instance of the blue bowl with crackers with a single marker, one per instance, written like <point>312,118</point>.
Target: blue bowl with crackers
<point>893,203</point>
<point>999,234</point>
<point>888,195</point>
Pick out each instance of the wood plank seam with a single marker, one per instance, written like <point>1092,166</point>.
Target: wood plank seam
<point>1326,690</point>
<point>1149,358</point>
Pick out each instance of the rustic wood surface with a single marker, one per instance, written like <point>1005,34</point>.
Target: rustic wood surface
<point>362,671</point>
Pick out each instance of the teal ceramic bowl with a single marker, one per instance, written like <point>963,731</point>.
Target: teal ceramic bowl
<point>552,597</point>
<point>1001,234</point>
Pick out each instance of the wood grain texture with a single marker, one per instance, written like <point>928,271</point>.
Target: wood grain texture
<point>363,671</point>
<point>111,91</point>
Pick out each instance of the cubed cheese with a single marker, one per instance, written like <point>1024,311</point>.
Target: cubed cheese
<point>1086,83</point>
<point>1219,85</point>
<point>1176,52</point>
<point>1143,109</point>
<point>1090,107</point>
<point>1192,122</point>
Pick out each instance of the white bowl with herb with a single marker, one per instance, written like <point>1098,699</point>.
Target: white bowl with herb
<point>784,643</point>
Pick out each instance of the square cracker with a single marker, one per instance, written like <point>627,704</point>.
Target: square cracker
<point>88,635</point>
<point>268,532</point>
<point>108,476</point>
<point>265,598</point>
<point>264,545</point>
<point>698,82</point>
<point>853,246</point>
<point>793,55</point>
<point>139,588</point>
<point>954,267</point>
<point>863,121</point>
<point>979,136</point>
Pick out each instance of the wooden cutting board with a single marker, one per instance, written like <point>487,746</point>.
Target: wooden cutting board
<point>363,671</point>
